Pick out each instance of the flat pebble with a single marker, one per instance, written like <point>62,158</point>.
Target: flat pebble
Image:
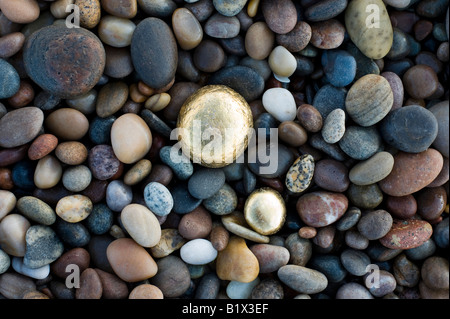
<point>375,224</point>
<point>36,210</point>
<point>209,56</point>
<point>365,196</point>
<point>300,174</point>
<point>327,34</point>
<point>330,266</point>
<point>282,63</point>
<point>183,201</point>
<point>41,146</point>
<point>431,203</point>
<point>255,48</point>
<point>36,273</point>
<point>72,234</point>
<point>102,162</point>
<point>206,182</point>
<point>42,246</point>
<point>100,219</point>
<point>372,170</point>
<point>170,241</point>
<point>328,98</point>
<point>297,39</point>
<point>141,224</point>
<point>130,261</point>
<point>420,81</point>
<point>222,27</point>
<point>302,279</point>
<point>270,257</point>
<point>334,126</point>
<point>186,28</point>
<point>173,277</point>
<point>48,172</point>
<point>8,74</point>
<point>115,31</point>
<point>361,142</point>
<point>353,290</point>
<point>241,290</point>
<point>229,8</point>
<point>198,252</point>
<point>5,262</point>
<point>26,121</point>
<point>15,286</point>
<point>406,273</point>
<point>22,11</point>
<point>71,152</point>
<point>90,285</point>
<point>196,224</point>
<point>281,17</point>
<point>77,178</point>
<point>292,133</point>
<point>178,162</point>
<point>280,103</point>
<point>67,124</point>
<point>310,118</point>
<point>331,175</point>
<point>339,67</point>
<point>222,202</point>
<point>158,199</point>
<point>300,249</point>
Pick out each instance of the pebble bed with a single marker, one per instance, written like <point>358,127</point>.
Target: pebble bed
<point>356,89</point>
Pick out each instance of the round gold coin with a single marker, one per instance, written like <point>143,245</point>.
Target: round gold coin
<point>214,126</point>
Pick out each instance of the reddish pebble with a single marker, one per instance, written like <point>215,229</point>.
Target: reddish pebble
<point>146,291</point>
<point>6,181</point>
<point>431,202</point>
<point>90,285</point>
<point>12,155</point>
<point>196,224</point>
<point>113,286</point>
<point>307,232</point>
<point>41,146</point>
<point>407,234</point>
<point>75,256</point>
<point>403,207</point>
<point>23,97</point>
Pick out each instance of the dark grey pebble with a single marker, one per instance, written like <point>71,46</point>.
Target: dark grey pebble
<point>43,246</point>
<point>329,98</point>
<point>355,261</point>
<point>360,142</point>
<point>208,287</point>
<point>349,219</point>
<point>330,266</point>
<point>183,201</point>
<point>222,202</point>
<point>72,234</point>
<point>155,123</point>
<point>180,164</point>
<point>205,182</point>
<point>100,219</point>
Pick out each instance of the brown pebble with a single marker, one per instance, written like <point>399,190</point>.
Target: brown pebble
<point>90,285</point>
<point>24,95</point>
<point>10,44</point>
<point>310,118</point>
<point>422,29</point>
<point>209,56</point>
<point>15,286</point>
<point>403,207</point>
<point>420,81</point>
<point>179,92</point>
<point>43,145</point>
<point>77,256</point>
<point>111,98</point>
<point>259,41</point>
<point>118,62</point>
<point>9,156</point>
<point>20,11</point>
<point>35,295</point>
<point>431,202</point>
<point>146,291</point>
<point>280,16</point>
<point>331,175</point>
<point>219,237</point>
<point>292,133</point>
<point>67,124</point>
<point>327,34</point>
<point>122,9</point>
<point>96,191</point>
<point>307,232</point>
<point>6,181</point>
<point>407,234</point>
<point>297,39</point>
<point>196,224</point>
<point>113,286</point>
<point>324,237</point>
<point>160,173</point>
<point>71,153</point>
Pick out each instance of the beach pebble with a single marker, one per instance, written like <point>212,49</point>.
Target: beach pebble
<point>222,27</point>
<point>369,100</point>
<point>183,201</point>
<point>270,257</point>
<point>7,202</point>
<point>41,146</point>
<point>115,31</point>
<point>228,7</point>
<point>300,174</point>
<point>15,286</point>
<point>334,126</point>
<point>13,229</point>
<point>74,208</point>
<point>42,246</point>
<point>255,48</point>
<point>9,75</point>
<point>406,273</point>
<point>282,63</point>
<point>186,28</point>
<point>297,39</point>
<point>141,224</point>
<point>372,170</point>
<point>431,203</point>
<point>375,224</point>
<point>434,272</point>
<point>280,103</point>
<point>302,279</point>
<point>146,291</point>
<point>420,81</point>
<point>407,234</point>
<point>237,262</point>
<point>170,241</point>
<point>196,224</point>
<point>67,124</point>
<point>21,11</point>
<point>331,175</point>
<point>77,178</point>
<point>71,152</point>
<point>138,172</point>
<point>321,208</point>
<point>5,262</point>
<point>223,202</point>
<point>173,277</point>
<point>440,111</point>
<point>281,16</point>
<point>26,122</point>
<point>339,67</point>
<point>206,182</point>
<point>177,161</point>
<point>100,219</point>
<point>48,172</point>
<point>158,199</point>
<point>327,34</point>
<point>365,196</point>
<point>36,210</point>
<point>36,273</point>
<point>310,118</point>
<point>412,172</point>
<point>325,10</point>
<point>361,143</point>
<point>198,252</point>
<point>292,133</point>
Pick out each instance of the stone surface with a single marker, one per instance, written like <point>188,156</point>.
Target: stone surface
<point>141,224</point>
<point>372,170</point>
<point>327,34</point>
<point>198,252</point>
<point>361,143</point>
<point>74,208</point>
<point>36,210</point>
<point>300,174</point>
<point>186,28</point>
<point>375,224</point>
<point>270,257</point>
<point>281,16</point>
<point>255,48</point>
<point>302,279</point>
<point>334,126</point>
<point>206,182</point>
<point>42,246</point>
<point>172,278</point>
<point>280,104</point>
<point>26,121</point>
<point>196,224</point>
<point>407,234</point>
<point>158,199</point>
<point>440,111</point>
<point>67,124</point>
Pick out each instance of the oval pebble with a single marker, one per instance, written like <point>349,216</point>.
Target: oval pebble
<point>37,210</point>
<point>141,224</point>
<point>300,174</point>
<point>173,277</point>
<point>372,170</point>
<point>206,182</point>
<point>198,252</point>
<point>375,224</point>
<point>407,234</point>
<point>158,199</point>
<point>280,103</point>
<point>270,257</point>
<point>302,279</point>
<point>36,273</point>
<point>223,202</point>
<point>241,290</point>
<point>74,208</point>
<point>25,122</point>
<point>334,126</point>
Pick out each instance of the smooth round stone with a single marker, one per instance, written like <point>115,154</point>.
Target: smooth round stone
<point>329,98</point>
<point>300,174</point>
<point>339,67</point>
<point>173,276</point>
<point>131,138</point>
<point>36,210</point>
<point>372,170</point>
<point>100,129</point>
<point>355,261</point>
<point>264,123</point>
<point>441,112</point>
<point>178,162</point>
<point>223,202</point>
<point>74,208</point>
<point>412,172</point>
<point>369,100</point>
<point>55,75</point>
<point>42,246</point>
<point>330,266</point>
<point>292,133</point>
<point>270,257</point>
<point>237,262</point>
<point>310,118</point>
<point>146,291</point>
<point>401,47</point>
<point>361,143</point>
<point>397,88</point>
<point>48,172</point>
<point>423,251</point>
<point>259,41</point>
<point>431,203</point>
<point>141,224</point>
<point>155,123</point>
<point>77,178</point>
<point>244,80</point>
<point>6,182</point>
<point>282,63</point>
<point>154,52</point>
<point>411,129</point>
<point>118,62</point>
<point>403,207</point>
<point>321,208</point>
<point>228,7</point>
<point>15,286</point>
<point>159,8</point>
<point>386,285</point>
<point>427,293</point>
<point>235,223</point>
<point>280,103</point>
<point>208,287</point>
<point>186,28</point>
<point>13,228</point>
<point>373,38</point>
<point>280,16</point>
<point>71,153</point>
<point>90,285</point>
<point>25,122</point>
<point>406,273</point>
<point>115,31</point>
<point>349,219</point>
<point>196,224</point>
<point>365,196</point>
<point>420,81</point>
<point>241,290</point>
<point>7,202</point>
<point>331,175</point>
<point>8,75</point>
<point>170,241</point>
<point>158,199</point>
<point>302,279</point>
<point>130,261</point>
<point>118,195</point>
<point>21,11</point>
<point>72,234</point>
<point>219,236</point>
<point>265,211</point>
<point>5,262</point>
<point>353,290</point>
<point>13,155</point>
<point>198,252</point>
<point>183,201</point>
<point>209,56</point>
<point>23,175</point>
<point>100,219</point>
<point>434,272</point>
<point>300,249</point>
<point>325,10</point>
<point>122,9</point>
<point>111,98</point>
<point>375,224</point>
<point>297,39</point>
<point>327,34</point>
<point>334,126</point>
<point>407,234</point>
<point>206,182</point>
<point>222,27</point>
<point>43,145</point>
<point>90,12</point>
<point>67,124</point>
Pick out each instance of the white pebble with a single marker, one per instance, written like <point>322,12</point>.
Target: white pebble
<point>198,252</point>
<point>280,103</point>
<point>334,126</point>
<point>36,273</point>
<point>241,290</point>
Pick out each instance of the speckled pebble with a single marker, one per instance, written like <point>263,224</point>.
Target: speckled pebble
<point>158,199</point>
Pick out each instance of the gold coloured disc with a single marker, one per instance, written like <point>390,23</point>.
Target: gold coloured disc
<point>265,211</point>
<point>214,126</point>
